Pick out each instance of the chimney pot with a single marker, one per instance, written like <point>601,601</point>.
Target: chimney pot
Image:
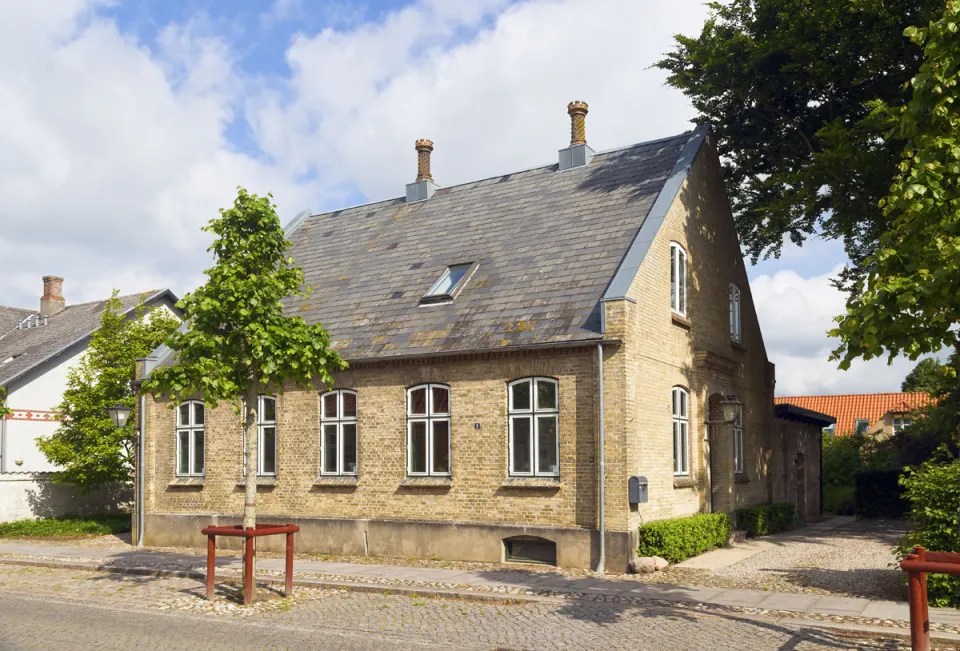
<point>423,147</point>
<point>578,122</point>
<point>52,300</point>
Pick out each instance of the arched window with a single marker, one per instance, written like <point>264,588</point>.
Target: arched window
<point>534,415</point>
<point>428,430</point>
<point>678,279</point>
<point>266,437</point>
<point>735,313</point>
<point>681,431</point>
<point>190,427</point>
<point>338,432</point>
<point>738,464</point>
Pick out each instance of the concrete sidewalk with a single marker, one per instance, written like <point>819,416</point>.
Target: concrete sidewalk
<point>505,583</point>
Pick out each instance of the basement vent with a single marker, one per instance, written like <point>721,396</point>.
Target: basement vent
<point>530,549</point>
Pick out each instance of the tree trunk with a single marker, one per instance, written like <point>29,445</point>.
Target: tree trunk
<point>251,437</point>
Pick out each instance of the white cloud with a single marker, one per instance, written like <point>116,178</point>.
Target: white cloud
<point>795,314</point>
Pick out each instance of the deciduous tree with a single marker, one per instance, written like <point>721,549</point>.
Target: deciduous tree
<point>239,343</point>
<point>87,446</point>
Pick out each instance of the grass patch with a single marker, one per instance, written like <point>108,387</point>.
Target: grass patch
<point>66,526</point>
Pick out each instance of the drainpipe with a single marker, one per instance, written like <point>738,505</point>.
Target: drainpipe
<point>140,504</point>
<point>602,562</point>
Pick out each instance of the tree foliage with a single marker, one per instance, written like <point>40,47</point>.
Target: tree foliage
<point>930,376</point>
<point>239,343</point>
<point>787,86</point>
<point>89,449</point>
<point>907,303</point>
<point>4,410</point>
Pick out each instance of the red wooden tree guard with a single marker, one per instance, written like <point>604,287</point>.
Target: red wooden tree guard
<point>917,565</point>
<point>248,535</point>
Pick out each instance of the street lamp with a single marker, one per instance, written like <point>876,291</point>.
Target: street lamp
<point>119,415</point>
<point>730,405</point>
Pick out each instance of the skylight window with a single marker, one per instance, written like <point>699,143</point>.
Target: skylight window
<point>449,284</point>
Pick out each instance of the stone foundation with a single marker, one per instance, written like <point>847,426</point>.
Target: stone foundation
<point>577,548</point>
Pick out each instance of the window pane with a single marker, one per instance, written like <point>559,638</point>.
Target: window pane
<point>683,447</point>
<point>676,446</point>
<point>329,448</point>
<point>449,280</point>
<point>184,415</point>
<point>682,284</point>
<point>418,447</point>
<point>418,401</point>
<point>269,410</point>
<point>330,405</point>
<point>198,452</point>
<point>183,453</point>
<point>441,401</point>
<point>349,448</point>
<point>198,413</point>
<point>547,444</point>
<point>521,395</point>
<point>673,277</point>
<point>521,445</point>
<point>441,447</point>
<point>349,405</point>
<point>269,450</point>
<point>546,394</point>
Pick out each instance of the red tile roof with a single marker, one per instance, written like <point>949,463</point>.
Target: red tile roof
<point>848,408</point>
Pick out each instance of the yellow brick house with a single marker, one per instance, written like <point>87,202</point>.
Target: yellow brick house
<point>523,351</point>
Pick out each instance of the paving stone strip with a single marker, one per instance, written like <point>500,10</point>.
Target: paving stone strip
<point>504,587</point>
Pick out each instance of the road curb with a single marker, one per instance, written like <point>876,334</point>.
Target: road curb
<point>886,631</point>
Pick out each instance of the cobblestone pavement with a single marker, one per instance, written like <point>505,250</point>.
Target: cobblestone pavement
<point>44,608</point>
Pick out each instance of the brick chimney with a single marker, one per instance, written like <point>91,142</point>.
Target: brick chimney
<point>52,300</point>
<point>424,187</point>
<point>578,153</point>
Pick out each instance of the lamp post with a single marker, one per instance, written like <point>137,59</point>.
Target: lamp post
<point>119,415</point>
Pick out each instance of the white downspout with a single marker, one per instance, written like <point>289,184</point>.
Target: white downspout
<point>603,547</point>
<point>141,501</point>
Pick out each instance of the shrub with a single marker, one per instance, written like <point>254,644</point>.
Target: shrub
<point>933,492</point>
<point>765,519</point>
<point>879,495</point>
<point>68,525</point>
<point>680,538</point>
<point>839,500</point>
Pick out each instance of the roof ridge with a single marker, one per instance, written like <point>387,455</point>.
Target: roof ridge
<point>603,152</point>
<point>851,395</point>
<point>149,292</point>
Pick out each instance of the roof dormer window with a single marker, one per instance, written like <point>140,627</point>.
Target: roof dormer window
<point>450,283</point>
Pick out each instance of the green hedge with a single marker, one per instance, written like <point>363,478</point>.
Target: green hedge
<point>765,519</point>
<point>68,525</point>
<point>878,494</point>
<point>680,538</point>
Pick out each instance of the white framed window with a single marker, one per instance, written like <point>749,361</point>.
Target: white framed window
<point>738,440</point>
<point>533,405</point>
<point>338,432</point>
<point>900,423</point>
<point>735,333</point>
<point>266,437</point>
<point>428,430</point>
<point>678,279</point>
<point>681,431</point>
<point>190,429</point>
<point>861,426</point>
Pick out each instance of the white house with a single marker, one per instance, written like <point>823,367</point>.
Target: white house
<point>37,349</point>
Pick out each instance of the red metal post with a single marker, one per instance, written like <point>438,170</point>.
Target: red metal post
<point>248,585</point>
<point>211,565</point>
<point>919,637</point>
<point>288,586</point>
<point>925,600</point>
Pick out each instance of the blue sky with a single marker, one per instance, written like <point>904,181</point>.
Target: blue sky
<point>125,125</point>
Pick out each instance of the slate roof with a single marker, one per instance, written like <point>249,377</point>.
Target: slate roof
<point>848,408</point>
<point>32,346</point>
<point>548,244</point>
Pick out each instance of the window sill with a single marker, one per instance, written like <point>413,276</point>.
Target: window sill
<point>535,483</point>
<point>682,321</point>
<point>262,480</point>
<point>186,482</point>
<point>684,481</point>
<point>741,478</point>
<point>335,480</point>
<point>738,346</point>
<point>429,482</point>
